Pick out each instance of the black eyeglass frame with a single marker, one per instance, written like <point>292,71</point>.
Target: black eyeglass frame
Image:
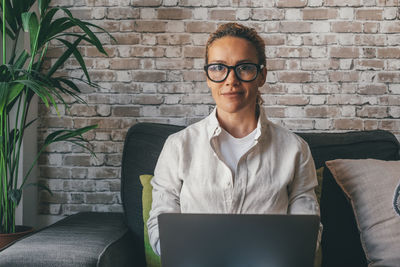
<point>259,68</point>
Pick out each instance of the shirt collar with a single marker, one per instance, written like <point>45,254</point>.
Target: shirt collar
<point>214,128</point>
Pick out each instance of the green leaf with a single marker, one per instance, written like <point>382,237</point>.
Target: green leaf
<point>43,5</point>
<point>78,57</point>
<point>46,25</point>
<point>82,26</point>
<point>64,135</point>
<point>15,195</point>
<point>10,16</point>
<point>39,89</point>
<point>31,25</point>
<point>21,59</point>
<point>8,31</point>
<point>3,95</point>
<point>15,91</point>
<point>64,57</point>
<point>42,186</point>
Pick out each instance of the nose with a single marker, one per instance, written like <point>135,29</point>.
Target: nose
<point>232,79</point>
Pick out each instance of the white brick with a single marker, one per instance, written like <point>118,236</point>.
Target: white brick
<point>346,13</point>
<point>99,13</point>
<point>320,76</point>
<point>323,124</point>
<point>175,26</point>
<point>394,112</point>
<point>393,39</point>
<point>319,52</point>
<point>348,111</point>
<point>315,3</point>
<point>148,39</point>
<point>293,88</point>
<point>243,14</point>
<point>170,2</point>
<point>393,65</point>
<point>320,27</point>
<point>148,13</point>
<point>200,13</point>
<point>317,100</point>
<point>369,2</point>
<point>367,77</point>
<point>394,89</point>
<point>390,13</point>
<point>124,76</point>
<point>124,50</point>
<point>172,99</point>
<point>293,14</point>
<point>346,39</point>
<point>272,77</point>
<point>294,40</point>
<point>103,110</point>
<point>346,64</point>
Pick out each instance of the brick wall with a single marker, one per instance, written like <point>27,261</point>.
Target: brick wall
<point>333,66</point>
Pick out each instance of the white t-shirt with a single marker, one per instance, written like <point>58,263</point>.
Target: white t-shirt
<point>232,149</point>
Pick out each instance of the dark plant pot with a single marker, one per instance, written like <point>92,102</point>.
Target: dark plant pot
<point>20,231</point>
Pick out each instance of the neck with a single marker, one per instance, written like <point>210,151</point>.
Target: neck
<point>238,124</point>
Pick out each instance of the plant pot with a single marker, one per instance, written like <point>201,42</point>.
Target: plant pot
<point>20,231</point>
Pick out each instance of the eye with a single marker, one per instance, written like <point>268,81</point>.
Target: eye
<point>216,67</point>
<point>246,67</point>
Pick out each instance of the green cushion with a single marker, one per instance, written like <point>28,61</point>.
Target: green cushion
<point>152,259</point>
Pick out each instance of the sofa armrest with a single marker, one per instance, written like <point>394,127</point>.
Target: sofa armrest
<point>83,239</point>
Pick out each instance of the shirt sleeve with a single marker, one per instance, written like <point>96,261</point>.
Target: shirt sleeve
<point>166,190</point>
<point>302,198</point>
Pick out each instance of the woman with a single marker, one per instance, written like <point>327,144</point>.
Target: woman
<point>235,160</point>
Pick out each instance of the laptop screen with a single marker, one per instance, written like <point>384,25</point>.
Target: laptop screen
<point>217,240</point>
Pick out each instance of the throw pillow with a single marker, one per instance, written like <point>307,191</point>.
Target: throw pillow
<point>152,259</point>
<point>318,191</point>
<point>369,184</point>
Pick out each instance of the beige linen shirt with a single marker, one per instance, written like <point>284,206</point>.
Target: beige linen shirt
<point>276,175</point>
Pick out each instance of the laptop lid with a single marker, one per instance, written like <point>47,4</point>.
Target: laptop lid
<point>219,240</point>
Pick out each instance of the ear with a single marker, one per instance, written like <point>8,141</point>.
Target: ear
<point>263,77</point>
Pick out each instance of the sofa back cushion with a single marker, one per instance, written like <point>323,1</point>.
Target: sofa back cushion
<point>340,241</point>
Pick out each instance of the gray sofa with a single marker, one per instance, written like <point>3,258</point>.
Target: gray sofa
<point>116,239</point>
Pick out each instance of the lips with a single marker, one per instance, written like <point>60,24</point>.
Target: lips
<point>233,93</point>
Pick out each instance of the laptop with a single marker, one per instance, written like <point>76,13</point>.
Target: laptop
<point>237,240</point>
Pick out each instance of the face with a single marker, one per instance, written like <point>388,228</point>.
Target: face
<point>233,95</point>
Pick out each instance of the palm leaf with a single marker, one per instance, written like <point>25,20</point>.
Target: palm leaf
<point>64,57</point>
<point>23,57</point>
<point>64,135</point>
<point>43,5</point>
<point>8,31</point>
<point>31,25</point>
<point>10,16</point>
<point>82,26</point>
<point>15,91</point>
<point>3,95</point>
<point>77,55</point>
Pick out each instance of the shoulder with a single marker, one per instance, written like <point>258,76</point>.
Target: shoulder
<point>188,134</point>
<point>284,137</point>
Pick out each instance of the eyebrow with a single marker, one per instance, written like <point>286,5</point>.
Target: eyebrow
<point>240,61</point>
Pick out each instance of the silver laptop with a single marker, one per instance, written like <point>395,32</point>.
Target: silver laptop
<point>233,240</point>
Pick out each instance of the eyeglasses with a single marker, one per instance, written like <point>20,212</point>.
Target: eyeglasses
<point>245,72</point>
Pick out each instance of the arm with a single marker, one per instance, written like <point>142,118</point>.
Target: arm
<point>166,190</point>
<point>302,198</point>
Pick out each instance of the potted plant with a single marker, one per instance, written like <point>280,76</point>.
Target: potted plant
<point>23,76</point>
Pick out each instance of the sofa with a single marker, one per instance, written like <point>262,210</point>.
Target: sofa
<point>117,239</point>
